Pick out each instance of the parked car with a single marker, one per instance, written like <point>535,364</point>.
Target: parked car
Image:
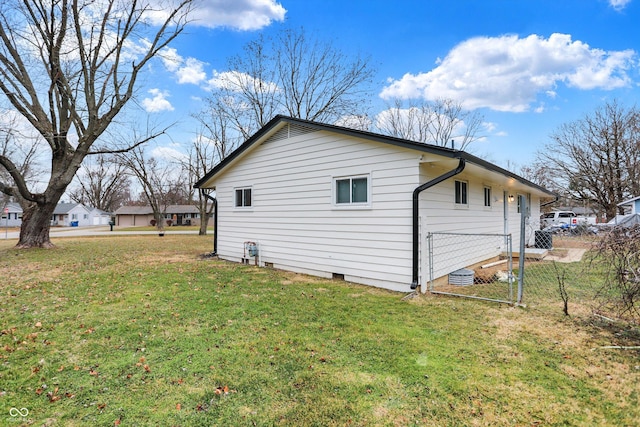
<point>559,218</point>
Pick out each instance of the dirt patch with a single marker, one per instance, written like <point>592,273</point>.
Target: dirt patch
<point>583,242</point>
<point>566,255</point>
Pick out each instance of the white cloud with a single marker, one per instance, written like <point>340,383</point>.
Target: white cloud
<point>358,122</point>
<point>158,103</point>
<point>171,59</point>
<point>168,153</point>
<point>245,15</point>
<point>619,4</point>
<point>507,73</point>
<point>190,70</point>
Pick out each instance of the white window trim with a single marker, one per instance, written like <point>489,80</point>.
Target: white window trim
<point>350,205</point>
<point>460,205</point>
<point>244,208</point>
<point>527,197</point>
<point>484,189</point>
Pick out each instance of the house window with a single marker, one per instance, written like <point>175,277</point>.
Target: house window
<point>461,193</point>
<point>243,197</point>
<point>74,216</point>
<point>528,196</point>
<point>352,190</point>
<point>487,197</point>
<point>519,203</point>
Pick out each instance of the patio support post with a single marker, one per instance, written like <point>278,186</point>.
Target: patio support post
<point>523,216</point>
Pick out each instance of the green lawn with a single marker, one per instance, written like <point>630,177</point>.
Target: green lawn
<point>137,330</point>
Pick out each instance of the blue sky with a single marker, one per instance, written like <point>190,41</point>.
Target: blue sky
<point>526,66</point>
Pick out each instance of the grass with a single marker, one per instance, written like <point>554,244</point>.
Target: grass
<point>122,330</point>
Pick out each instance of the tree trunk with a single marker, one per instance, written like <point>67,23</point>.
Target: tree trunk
<point>36,222</point>
<point>204,223</point>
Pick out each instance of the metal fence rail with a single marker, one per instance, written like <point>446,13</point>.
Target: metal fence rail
<point>478,266</point>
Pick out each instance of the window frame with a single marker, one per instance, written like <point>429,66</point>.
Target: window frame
<point>351,204</point>
<point>243,200</point>
<point>519,207</point>
<point>463,193</point>
<point>487,192</point>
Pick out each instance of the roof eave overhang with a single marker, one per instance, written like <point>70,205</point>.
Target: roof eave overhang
<point>279,121</point>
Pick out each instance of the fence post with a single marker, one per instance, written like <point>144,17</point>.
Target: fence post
<point>522,201</point>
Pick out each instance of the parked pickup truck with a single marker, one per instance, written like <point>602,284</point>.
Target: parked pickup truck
<point>558,218</point>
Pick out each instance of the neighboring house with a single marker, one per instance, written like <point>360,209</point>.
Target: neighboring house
<point>99,217</point>
<point>13,218</point>
<point>139,216</point>
<point>68,214</point>
<point>338,202</point>
<point>631,214</point>
<point>631,206</point>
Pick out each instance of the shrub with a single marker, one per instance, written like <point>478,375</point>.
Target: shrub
<point>618,254</point>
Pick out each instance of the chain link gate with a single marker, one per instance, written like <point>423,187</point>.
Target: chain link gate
<point>478,266</point>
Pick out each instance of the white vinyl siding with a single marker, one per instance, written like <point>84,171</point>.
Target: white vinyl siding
<point>437,215</point>
<point>294,216</point>
<point>299,226</point>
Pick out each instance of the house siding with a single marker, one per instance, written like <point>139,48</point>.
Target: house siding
<point>298,227</point>
<point>439,214</point>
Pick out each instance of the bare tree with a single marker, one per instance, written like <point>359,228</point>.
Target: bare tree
<point>436,122</point>
<point>597,158</point>
<point>203,156</point>
<point>103,184</point>
<point>288,74</point>
<point>155,178</point>
<point>69,67</point>
<point>20,146</point>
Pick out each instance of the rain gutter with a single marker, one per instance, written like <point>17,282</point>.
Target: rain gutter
<point>416,212</point>
<point>215,223</point>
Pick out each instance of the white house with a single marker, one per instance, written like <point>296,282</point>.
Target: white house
<point>337,202</point>
<point>631,215</point>
<point>99,217</point>
<point>631,206</point>
<point>68,214</point>
<point>11,215</point>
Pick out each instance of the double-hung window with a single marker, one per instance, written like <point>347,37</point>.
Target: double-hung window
<point>352,190</point>
<point>243,198</point>
<point>461,193</point>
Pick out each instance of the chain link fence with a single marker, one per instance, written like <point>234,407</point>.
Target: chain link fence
<point>587,270</point>
<point>575,269</point>
<point>476,266</point>
<point>560,276</point>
